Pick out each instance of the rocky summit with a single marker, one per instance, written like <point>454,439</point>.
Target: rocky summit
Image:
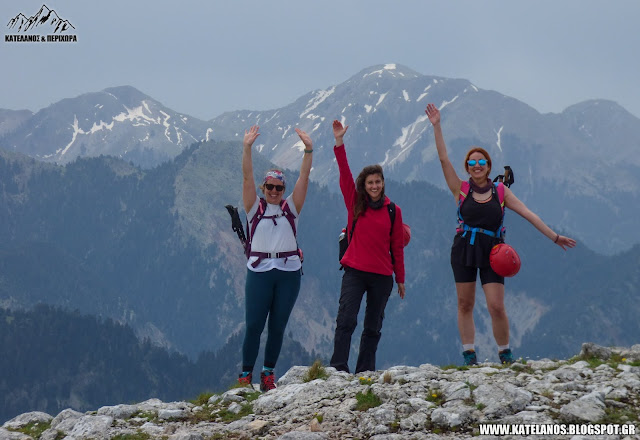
<point>594,395</point>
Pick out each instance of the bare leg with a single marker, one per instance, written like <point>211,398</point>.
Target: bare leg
<point>494,292</point>
<point>466,301</point>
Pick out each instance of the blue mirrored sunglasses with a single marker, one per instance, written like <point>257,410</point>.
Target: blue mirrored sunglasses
<point>472,162</point>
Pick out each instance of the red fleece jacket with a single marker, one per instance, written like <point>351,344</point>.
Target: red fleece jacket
<point>369,247</point>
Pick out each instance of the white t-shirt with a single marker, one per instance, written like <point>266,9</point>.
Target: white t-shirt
<point>269,237</point>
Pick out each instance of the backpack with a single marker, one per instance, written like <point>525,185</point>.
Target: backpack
<point>253,224</point>
<point>465,191</point>
<point>343,240</point>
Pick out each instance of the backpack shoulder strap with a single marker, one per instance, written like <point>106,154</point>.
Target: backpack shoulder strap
<point>392,214</point>
<point>500,190</point>
<point>253,224</point>
<point>289,215</point>
<point>464,191</point>
<point>262,207</point>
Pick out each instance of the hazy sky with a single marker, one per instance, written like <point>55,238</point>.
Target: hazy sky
<point>203,58</point>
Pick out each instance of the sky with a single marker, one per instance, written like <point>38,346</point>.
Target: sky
<point>203,58</point>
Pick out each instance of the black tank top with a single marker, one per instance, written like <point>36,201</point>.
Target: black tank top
<point>485,215</point>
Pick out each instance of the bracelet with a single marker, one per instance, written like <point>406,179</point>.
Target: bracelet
<point>308,151</point>
<point>557,238</point>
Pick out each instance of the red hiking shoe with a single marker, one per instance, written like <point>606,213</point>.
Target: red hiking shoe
<point>246,380</point>
<point>267,381</point>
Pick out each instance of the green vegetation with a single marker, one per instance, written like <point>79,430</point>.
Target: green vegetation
<point>436,397</point>
<point>202,399</point>
<point>521,368</point>
<point>455,367</point>
<point>620,415</point>
<point>315,371</point>
<point>367,400</point>
<point>33,429</point>
<point>139,435</point>
<point>227,416</point>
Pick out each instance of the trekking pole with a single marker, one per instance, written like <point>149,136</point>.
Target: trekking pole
<point>236,223</point>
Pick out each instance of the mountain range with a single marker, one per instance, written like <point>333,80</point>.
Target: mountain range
<point>149,245</point>
<point>154,249</point>
<point>118,121</point>
<point>576,169</point>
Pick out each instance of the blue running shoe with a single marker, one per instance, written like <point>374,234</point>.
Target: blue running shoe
<point>470,357</point>
<point>506,357</point>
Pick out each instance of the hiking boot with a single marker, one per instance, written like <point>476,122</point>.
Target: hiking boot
<point>245,380</point>
<point>267,381</point>
<point>506,357</point>
<point>470,357</point>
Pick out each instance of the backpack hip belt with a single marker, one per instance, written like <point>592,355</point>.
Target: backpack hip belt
<point>466,228</point>
<point>262,255</point>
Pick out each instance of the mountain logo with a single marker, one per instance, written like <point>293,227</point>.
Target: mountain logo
<point>45,18</point>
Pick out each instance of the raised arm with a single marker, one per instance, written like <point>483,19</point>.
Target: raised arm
<point>513,203</point>
<point>248,182</point>
<point>300,190</point>
<point>450,176</point>
<point>339,131</point>
<point>347,185</point>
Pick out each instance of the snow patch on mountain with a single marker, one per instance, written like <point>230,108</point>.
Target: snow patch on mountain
<point>411,134</point>
<point>382,96</point>
<point>135,115</point>
<point>320,97</point>
<point>101,126</point>
<point>424,93</point>
<point>76,130</point>
<point>445,103</point>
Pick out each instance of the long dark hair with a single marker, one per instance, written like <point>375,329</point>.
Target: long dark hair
<point>362,196</point>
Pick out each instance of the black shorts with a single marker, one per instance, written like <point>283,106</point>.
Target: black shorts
<point>468,274</point>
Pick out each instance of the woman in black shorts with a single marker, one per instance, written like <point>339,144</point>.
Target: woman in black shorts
<point>482,213</point>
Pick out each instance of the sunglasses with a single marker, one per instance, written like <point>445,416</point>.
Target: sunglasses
<point>270,186</point>
<point>472,162</point>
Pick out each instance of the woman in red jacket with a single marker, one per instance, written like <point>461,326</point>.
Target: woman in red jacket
<point>368,262</point>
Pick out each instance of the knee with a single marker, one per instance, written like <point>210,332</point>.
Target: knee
<point>371,332</point>
<point>465,307</point>
<point>497,311</point>
<point>254,327</point>
<point>346,322</point>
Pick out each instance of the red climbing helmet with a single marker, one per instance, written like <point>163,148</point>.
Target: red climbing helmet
<point>406,233</point>
<point>504,260</point>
